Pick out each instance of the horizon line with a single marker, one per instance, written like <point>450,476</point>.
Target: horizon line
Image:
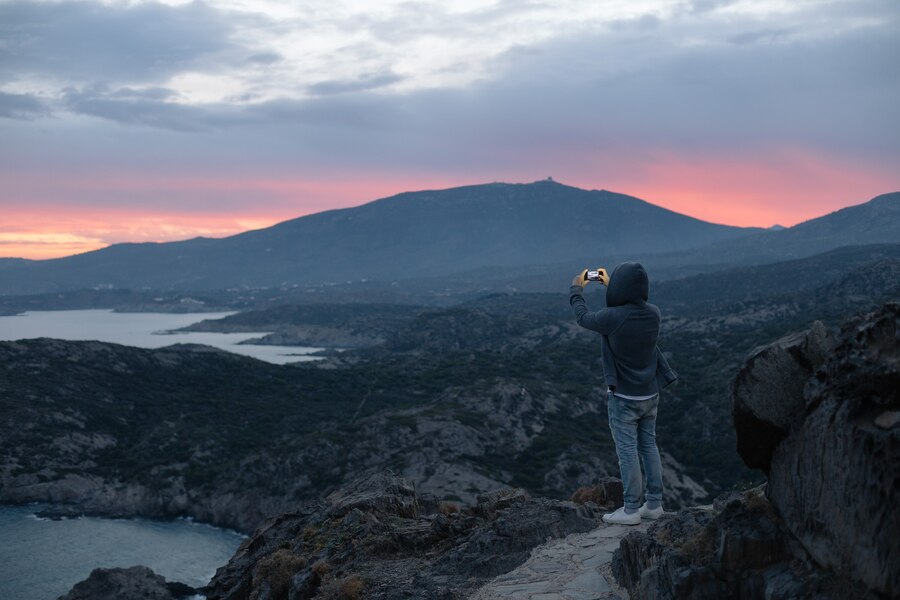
<point>551,180</point>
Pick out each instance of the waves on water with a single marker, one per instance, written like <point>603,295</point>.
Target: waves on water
<point>41,559</point>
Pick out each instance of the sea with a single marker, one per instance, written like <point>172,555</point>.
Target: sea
<point>144,330</point>
<point>41,559</point>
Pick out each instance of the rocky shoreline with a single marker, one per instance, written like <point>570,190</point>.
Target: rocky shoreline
<point>77,496</point>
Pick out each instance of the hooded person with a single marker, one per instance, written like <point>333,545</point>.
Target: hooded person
<point>635,371</point>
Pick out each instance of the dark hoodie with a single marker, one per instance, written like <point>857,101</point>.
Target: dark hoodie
<point>629,327</point>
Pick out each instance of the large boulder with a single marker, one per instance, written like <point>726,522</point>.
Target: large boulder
<point>835,479</point>
<point>823,420</point>
<point>738,548</point>
<point>127,584</point>
<point>767,393</point>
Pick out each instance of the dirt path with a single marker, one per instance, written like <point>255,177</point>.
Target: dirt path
<point>572,568</point>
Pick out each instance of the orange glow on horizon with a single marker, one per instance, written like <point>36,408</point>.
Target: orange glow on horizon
<point>784,187</point>
<point>39,230</point>
<point>49,233</point>
<point>46,218</point>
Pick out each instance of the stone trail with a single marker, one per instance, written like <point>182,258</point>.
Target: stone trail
<point>575,567</point>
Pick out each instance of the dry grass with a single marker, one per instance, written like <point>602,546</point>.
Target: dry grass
<point>594,494</point>
<point>448,508</point>
<point>756,501</point>
<point>700,547</point>
<point>347,588</point>
<point>277,569</point>
<point>321,567</point>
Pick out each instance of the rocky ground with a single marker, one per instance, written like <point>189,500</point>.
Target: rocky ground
<point>120,431</point>
<point>498,391</point>
<point>127,584</point>
<point>391,542</point>
<point>576,567</point>
<point>822,417</point>
<point>820,414</point>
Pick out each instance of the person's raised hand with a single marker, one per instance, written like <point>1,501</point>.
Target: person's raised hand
<point>604,276</point>
<point>581,279</point>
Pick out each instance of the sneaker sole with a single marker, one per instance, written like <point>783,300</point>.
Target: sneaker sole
<point>652,517</point>
<point>638,522</point>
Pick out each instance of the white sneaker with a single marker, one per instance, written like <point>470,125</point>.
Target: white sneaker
<point>620,517</point>
<point>650,513</point>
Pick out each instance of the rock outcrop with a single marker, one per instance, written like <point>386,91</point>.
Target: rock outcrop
<point>379,539</point>
<point>767,393</point>
<point>127,584</point>
<point>835,479</point>
<point>822,417</point>
<point>738,548</point>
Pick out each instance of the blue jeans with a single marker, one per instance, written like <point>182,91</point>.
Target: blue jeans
<point>633,426</point>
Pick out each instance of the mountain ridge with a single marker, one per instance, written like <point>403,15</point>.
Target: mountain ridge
<point>408,234</point>
<point>437,233</point>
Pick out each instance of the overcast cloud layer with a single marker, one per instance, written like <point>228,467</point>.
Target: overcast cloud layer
<point>160,113</point>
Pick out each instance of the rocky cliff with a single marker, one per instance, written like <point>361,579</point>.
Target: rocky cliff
<point>819,412</point>
<point>380,539</point>
<point>822,417</point>
<point>835,478</point>
<point>188,430</point>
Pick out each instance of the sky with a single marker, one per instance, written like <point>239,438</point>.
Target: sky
<point>155,121</point>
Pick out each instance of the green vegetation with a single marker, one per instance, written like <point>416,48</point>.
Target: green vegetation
<point>505,366</point>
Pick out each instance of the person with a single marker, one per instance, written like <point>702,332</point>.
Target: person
<point>635,371</point>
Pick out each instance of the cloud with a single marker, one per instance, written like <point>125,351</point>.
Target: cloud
<point>762,35</point>
<point>705,6</point>
<point>265,58</point>
<point>595,91</point>
<point>22,106</point>
<point>89,41</point>
<point>148,106</point>
<point>631,100</point>
<point>367,81</point>
<point>44,238</point>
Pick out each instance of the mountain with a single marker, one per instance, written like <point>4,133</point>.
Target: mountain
<point>698,293</point>
<point>415,234</point>
<point>876,221</point>
<point>475,238</point>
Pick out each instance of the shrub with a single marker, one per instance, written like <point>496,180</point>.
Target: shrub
<point>321,567</point>
<point>594,493</point>
<point>277,569</point>
<point>347,588</point>
<point>448,508</point>
<point>700,547</point>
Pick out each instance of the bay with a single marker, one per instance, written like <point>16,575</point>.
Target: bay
<point>41,559</point>
<point>144,330</point>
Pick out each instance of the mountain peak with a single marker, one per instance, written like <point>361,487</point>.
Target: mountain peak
<point>432,233</point>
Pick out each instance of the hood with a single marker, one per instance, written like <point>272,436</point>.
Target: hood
<point>628,283</point>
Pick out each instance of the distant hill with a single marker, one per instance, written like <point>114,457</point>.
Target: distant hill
<point>876,221</point>
<point>410,234</point>
<point>872,223</point>
<point>14,262</point>
<point>729,286</point>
